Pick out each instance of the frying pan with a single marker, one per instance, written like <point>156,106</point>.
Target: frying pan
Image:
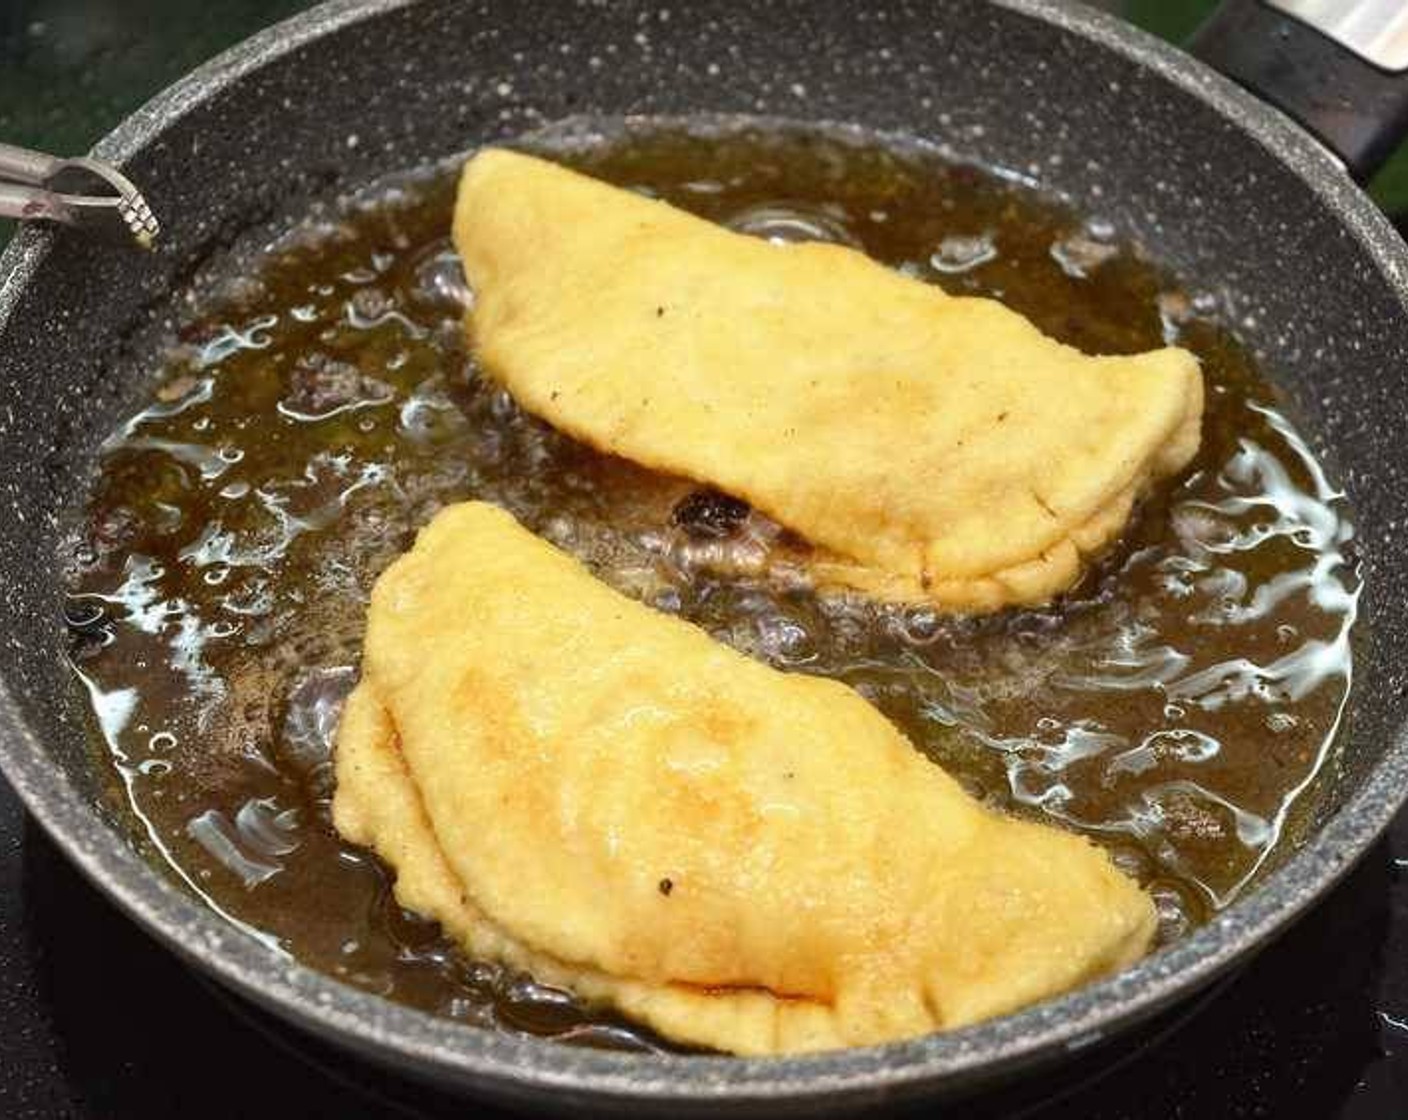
<point>1212,181</point>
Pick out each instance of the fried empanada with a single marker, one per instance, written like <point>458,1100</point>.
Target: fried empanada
<point>759,862</point>
<point>930,447</point>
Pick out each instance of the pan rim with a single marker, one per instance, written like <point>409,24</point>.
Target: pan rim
<point>513,1066</point>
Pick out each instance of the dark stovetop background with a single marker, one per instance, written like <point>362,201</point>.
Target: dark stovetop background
<point>99,1023</point>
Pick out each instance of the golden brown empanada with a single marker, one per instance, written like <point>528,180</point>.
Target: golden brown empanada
<point>931,447</point>
<point>743,859</point>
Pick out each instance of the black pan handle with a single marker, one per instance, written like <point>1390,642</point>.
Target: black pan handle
<point>1338,67</point>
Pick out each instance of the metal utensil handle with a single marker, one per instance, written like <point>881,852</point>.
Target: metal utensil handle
<point>30,190</point>
<point>1340,69</point>
<point>20,165</point>
<point>29,204</point>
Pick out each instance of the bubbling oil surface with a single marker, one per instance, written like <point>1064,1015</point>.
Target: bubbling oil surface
<point>1176,707</point>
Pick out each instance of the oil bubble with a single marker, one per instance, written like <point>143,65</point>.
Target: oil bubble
<point>959,253</point>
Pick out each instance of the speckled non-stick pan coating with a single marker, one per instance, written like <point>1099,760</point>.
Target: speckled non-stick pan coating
<point>1210,180</point>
